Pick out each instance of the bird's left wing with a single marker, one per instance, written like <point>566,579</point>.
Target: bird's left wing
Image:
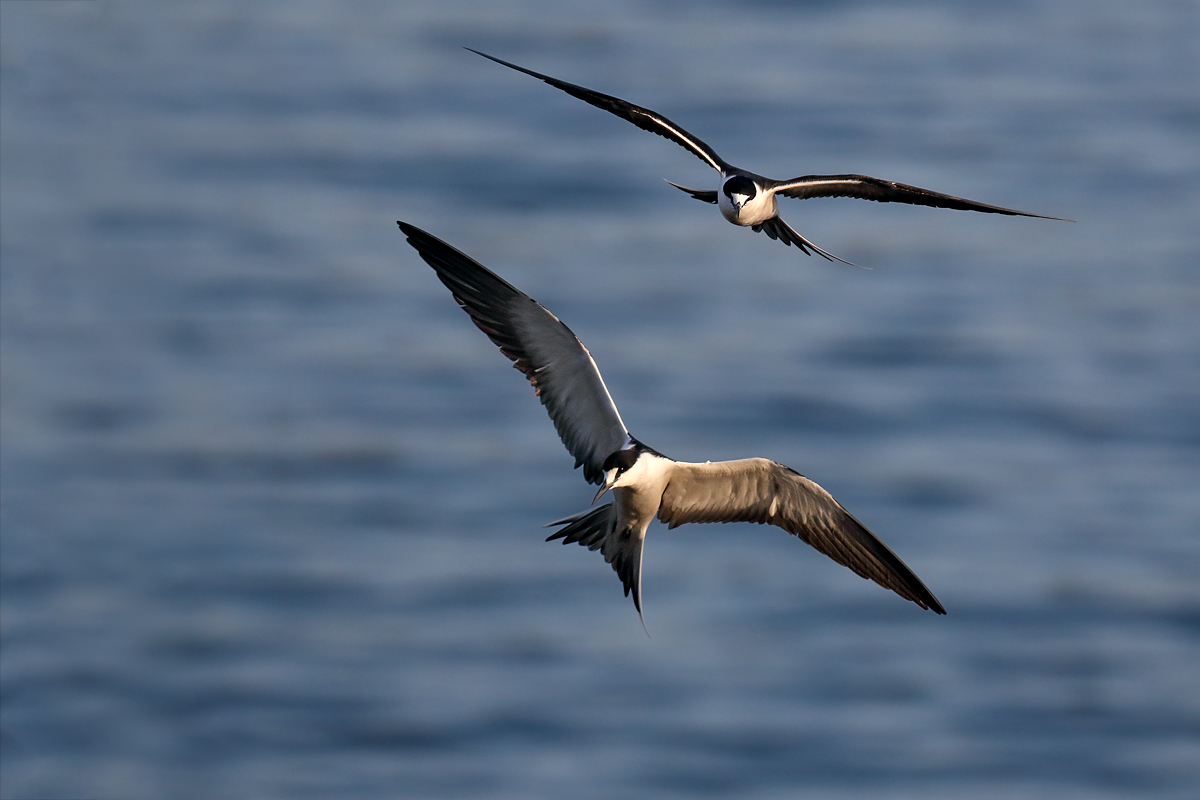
<point>864,187</point>
<point>556,363</point>
<point>762,491</point>
<point>644,118</point>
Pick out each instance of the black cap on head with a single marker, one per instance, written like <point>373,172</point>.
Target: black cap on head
<point>739,184</point>
<point>622,460</point>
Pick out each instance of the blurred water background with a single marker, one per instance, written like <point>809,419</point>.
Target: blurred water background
<point>272,505</point>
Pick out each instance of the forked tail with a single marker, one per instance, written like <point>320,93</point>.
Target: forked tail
<point>595,529</point>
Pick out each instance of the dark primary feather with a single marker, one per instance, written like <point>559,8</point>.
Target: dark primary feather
<point>556,363</point>
<point>865,187</point>
<point>762,491</point>
<point>644,118</point>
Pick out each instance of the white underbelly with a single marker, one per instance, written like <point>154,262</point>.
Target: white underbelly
<point>634,509</point>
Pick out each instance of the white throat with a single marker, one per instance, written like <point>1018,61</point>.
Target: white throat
<point>648,470</point>
<point>745,210</point>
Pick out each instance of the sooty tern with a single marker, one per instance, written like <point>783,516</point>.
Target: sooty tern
<point>643,481</point>
<point>750,200</point>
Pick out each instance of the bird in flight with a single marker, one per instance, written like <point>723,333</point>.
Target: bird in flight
<point>747,199</point>
<point>645,483</point>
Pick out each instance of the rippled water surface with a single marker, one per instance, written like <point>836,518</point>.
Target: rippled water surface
<point>272,505</point>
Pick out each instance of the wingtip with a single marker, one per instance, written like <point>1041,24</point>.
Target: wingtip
<point>921,595</point>
<point>1040,216</point>
<point>703,195</point>
<point>417,237</point>
<point>492,58</point>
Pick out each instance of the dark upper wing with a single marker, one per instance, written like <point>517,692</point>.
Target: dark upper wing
<point>867,188</point>
<point>644,118</point>
<point>553,359</point>
<point>759,490</point>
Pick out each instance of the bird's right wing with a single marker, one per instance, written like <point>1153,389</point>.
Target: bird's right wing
<point>762,491</point>
<point>556,363</point>
<point>644,118</point>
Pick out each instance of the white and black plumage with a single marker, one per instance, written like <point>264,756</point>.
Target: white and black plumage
<point>750,200</point>
<point>644,482</point>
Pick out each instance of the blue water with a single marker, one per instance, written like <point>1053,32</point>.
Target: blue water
<point>271,505</point>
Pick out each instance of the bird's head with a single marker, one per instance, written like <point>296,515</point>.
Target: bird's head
<point>615,468</point>
<point>740,190</point>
